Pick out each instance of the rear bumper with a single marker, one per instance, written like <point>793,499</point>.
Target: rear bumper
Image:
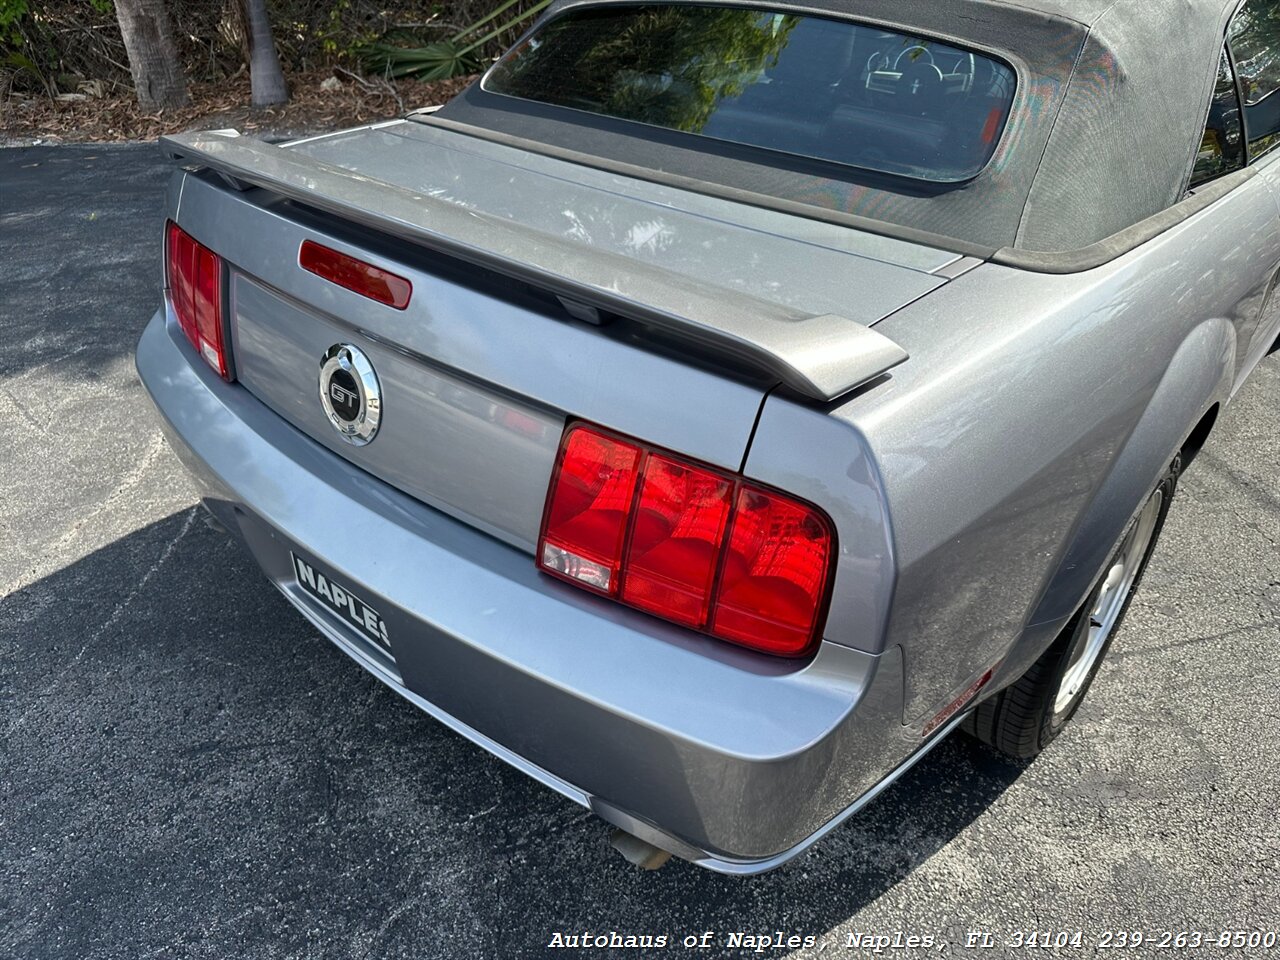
<point>731,760</point>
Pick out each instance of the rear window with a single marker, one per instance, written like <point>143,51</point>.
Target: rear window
<point>831,90</point>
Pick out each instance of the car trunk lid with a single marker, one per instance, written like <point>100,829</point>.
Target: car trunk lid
<point>714,303</point>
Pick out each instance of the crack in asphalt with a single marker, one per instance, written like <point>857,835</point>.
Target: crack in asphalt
<point>28,419</point>
<point>1246,484</point>
<point>124,488</point>
<point>1118,654</point>
<point>112,618</point>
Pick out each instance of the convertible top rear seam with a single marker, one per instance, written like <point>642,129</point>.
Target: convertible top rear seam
<point>1053,126</point>
<point>1106,250</point>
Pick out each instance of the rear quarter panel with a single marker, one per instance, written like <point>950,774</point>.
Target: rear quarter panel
<point>1034,415</point>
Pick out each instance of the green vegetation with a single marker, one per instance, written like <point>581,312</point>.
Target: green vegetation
<point>455,56</point>
<point>669,65</point>
<point>49,47</point>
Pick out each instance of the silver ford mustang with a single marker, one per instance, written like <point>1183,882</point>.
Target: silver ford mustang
<point>716,404</point>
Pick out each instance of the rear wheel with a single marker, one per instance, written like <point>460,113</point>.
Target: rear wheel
<point>1025,717</point>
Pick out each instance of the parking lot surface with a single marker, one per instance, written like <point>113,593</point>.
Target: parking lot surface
<point>189,770</point>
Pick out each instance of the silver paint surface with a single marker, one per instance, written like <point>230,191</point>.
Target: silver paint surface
<point>976,488</point>
<point>595,695</point>
<point>1035,416</point>
<point>821,353</point>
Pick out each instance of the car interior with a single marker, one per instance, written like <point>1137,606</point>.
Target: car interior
<point>884,101</point>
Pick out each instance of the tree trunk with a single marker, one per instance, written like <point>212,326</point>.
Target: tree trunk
<point>158,79</point>
<point>265,79</point>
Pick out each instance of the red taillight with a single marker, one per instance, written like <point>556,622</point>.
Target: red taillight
<point>586,517</point>
<point>355,275</point>
<point>677,531</point>
<point>775,572</point>
<point>195,286</point>
<point>687,542</point>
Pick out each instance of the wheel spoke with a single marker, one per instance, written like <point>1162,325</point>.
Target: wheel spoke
<point>1112,594</point>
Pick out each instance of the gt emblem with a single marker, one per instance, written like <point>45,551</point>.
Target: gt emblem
<point>350,394</point>
<point>340,394</point>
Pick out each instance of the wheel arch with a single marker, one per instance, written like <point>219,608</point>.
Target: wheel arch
<point>1177,419</point>
<point>1197,437</point>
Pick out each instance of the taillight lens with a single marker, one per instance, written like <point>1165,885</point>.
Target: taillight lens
<point>775,572</point>
<point>677,530</point>
<point>195,286</point>
<point>355,275</point>
<point>687,542</point>
<point>586,517</point>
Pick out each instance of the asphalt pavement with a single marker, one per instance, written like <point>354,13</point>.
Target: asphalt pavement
<point>188,770</point>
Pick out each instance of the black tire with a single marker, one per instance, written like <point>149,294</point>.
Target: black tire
<point>1021,720</point>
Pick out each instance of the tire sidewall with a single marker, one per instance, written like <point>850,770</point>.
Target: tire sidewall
<point>1053,723</point>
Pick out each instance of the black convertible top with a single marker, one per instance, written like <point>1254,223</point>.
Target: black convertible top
<point>1105,124</point>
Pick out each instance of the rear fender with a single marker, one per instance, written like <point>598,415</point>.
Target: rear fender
<point>1198,376</point>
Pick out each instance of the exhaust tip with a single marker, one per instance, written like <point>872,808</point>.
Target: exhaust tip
<point>639,852</point>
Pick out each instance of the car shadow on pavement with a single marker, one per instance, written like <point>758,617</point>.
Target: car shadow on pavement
<point>189,764</point>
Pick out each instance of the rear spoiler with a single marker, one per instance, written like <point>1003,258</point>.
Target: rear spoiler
<point>820,357</point>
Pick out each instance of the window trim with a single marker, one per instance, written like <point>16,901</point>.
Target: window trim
<point>1235,79</point>
<point>1191,186</point>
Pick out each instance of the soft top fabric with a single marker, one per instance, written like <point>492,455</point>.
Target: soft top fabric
<point>1106,121</point>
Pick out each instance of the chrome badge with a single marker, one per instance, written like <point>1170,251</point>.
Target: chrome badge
<point>350,394</point>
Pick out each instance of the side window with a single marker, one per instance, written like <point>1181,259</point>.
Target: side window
<point>1254,38</point>
<point>1222,147</point>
